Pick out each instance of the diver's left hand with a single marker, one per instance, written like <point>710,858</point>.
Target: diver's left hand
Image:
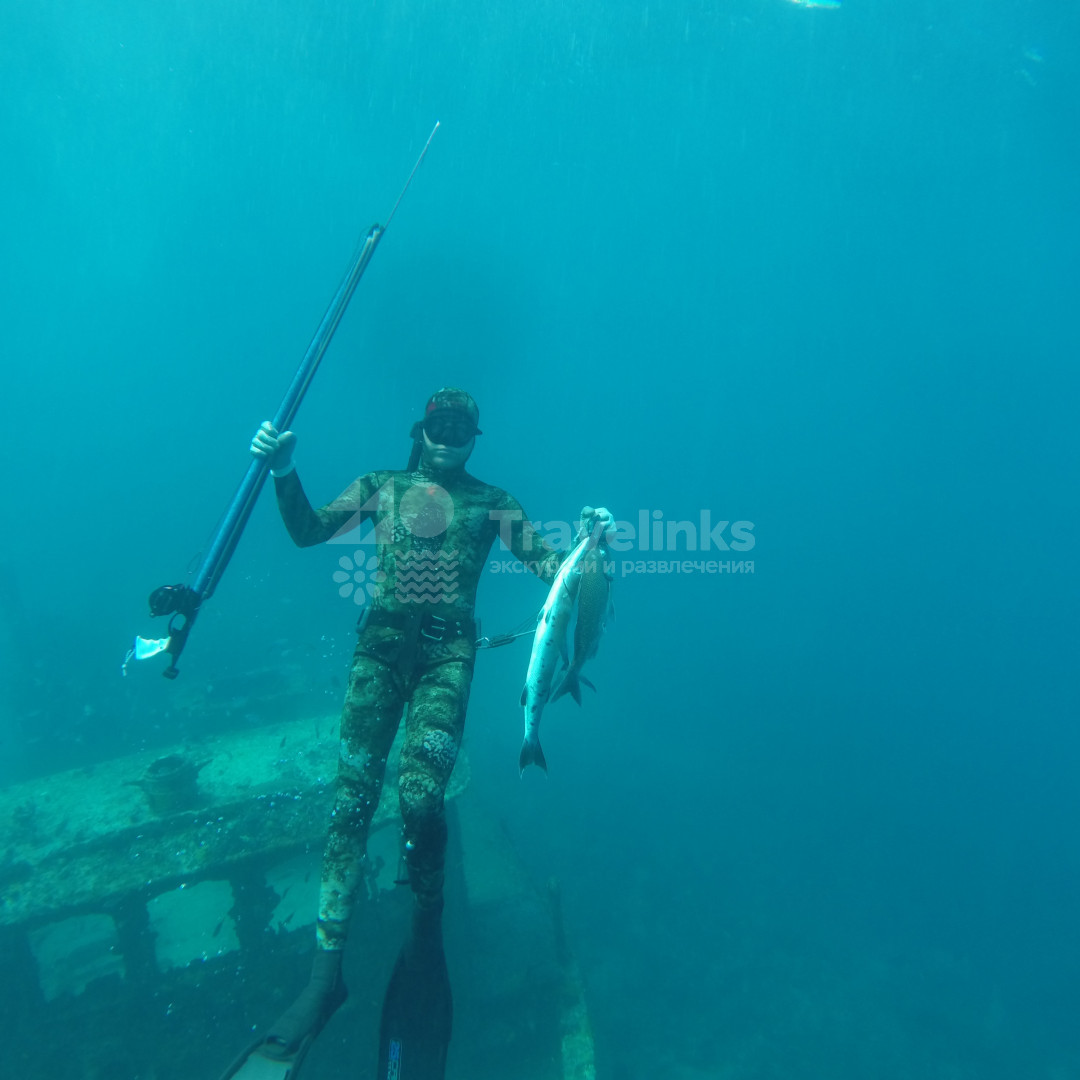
<point>590,517</point>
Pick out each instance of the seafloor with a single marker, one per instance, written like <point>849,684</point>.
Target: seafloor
<point>147,932</point>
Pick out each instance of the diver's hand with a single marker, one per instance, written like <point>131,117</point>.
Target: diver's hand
<point>591,517</point>
<point>274,448</point>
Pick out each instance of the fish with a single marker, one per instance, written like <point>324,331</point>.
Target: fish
<point>549,644</point>
<point>593,609</point>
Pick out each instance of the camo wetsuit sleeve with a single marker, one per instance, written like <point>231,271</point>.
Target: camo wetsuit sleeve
<point>308,526</point>
<point>526,544</point>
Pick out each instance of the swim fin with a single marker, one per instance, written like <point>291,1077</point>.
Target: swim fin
<point>252,1065</point>
<point>280,1053</point>
<point>418,1011</point>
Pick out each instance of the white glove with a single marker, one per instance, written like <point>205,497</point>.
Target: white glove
<point>275,448</point>
<point>589,519</point>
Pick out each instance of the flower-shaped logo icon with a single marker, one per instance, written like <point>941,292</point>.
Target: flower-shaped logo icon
<point>358,577</point>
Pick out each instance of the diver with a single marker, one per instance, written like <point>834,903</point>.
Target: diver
<point>434,526</point>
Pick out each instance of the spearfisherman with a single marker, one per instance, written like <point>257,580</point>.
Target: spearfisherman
<point>434,527</point>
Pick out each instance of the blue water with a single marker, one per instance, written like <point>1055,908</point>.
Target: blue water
<point>814,269</point>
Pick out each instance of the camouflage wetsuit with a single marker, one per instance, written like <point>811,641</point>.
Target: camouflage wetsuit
<point>433,532</point>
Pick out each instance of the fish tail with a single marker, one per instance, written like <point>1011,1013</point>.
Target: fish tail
<point>531,754</point>
<point>570,685</point>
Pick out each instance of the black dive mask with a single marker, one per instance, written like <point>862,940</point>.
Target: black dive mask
<point>450,428</point>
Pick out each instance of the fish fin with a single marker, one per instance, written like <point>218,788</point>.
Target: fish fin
<point>611,610</point>
<point>568,685</point>
<point>575,688</point>
<point>524,695</point>
<point>588,684</point>
<point>531,754</point>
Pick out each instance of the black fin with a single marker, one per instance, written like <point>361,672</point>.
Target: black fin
<point>417,1016</point>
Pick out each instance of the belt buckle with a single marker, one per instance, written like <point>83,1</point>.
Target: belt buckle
<point>433,628</point>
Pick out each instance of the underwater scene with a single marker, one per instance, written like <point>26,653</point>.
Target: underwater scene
<point>540,540</point>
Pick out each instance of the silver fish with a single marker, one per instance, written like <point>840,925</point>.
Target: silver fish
<point>593,609</point>
<point>549,644</point>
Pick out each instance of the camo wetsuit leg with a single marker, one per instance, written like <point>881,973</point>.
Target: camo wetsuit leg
<point>433,730</point>
<point>369,720</point>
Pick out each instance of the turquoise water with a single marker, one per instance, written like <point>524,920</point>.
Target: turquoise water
<point>810,268</point>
